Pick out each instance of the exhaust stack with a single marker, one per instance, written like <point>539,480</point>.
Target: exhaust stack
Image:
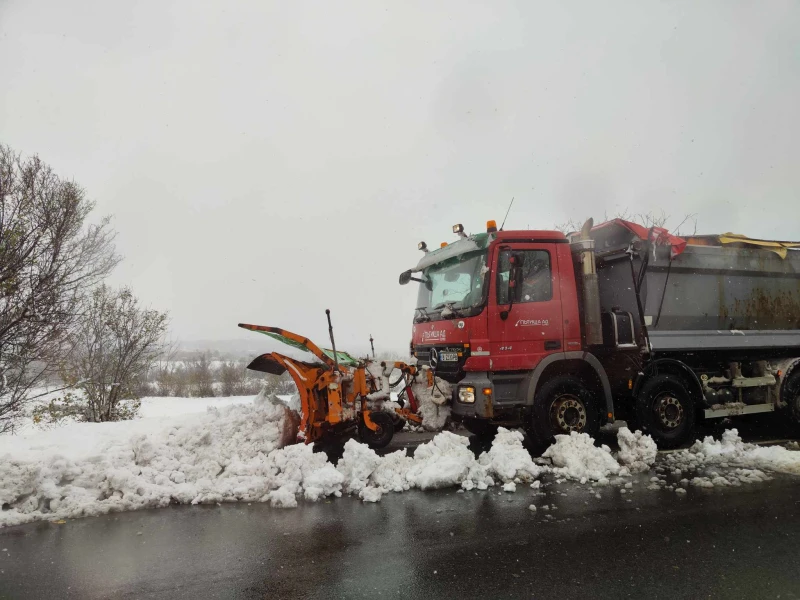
<point>583,251</point>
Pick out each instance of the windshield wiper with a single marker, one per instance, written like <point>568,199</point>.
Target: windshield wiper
<point>424,316</point>
<point>451,305</point>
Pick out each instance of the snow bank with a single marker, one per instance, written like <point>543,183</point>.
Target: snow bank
<point>445,461</point>
<point>167,406</point>
<point>224,454</point>
<point>731,451</point>
<point>575,456</point>
<point>636,451</point>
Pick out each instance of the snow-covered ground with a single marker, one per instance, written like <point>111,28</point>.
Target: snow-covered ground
<point>150,407</point>
<point>238,449</point>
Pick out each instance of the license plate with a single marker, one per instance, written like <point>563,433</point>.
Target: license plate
<point>448,356</point>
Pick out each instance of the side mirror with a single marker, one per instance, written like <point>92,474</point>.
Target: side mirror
<point>405,277</point>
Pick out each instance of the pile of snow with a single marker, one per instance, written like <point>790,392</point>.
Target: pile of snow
<point>224,454</point>
<point>445,461</point>
<point>432,402</point>
<point>637,451</point>
<point>508,460</point>
<point>576,457</point>
<point>731,451</point>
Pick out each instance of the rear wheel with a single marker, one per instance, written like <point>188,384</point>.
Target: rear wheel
<point>790,395</point>
<point>563,405</point>
<point>381,437</point>
<point>665,410</point>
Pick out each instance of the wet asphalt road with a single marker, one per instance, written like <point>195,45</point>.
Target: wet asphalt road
<point>720,543</point>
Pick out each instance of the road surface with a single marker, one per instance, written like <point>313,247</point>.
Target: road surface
<point>719,543</point>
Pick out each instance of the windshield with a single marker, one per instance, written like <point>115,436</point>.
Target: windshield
<point>456,283</point>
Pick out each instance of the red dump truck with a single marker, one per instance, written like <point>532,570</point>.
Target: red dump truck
<point>558,334</point>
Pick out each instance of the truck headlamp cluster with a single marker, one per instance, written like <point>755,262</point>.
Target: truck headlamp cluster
<point>466,394</point>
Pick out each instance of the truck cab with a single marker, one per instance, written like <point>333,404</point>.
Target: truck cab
<point>494,310</point>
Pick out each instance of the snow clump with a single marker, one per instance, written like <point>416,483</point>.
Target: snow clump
<point>576,457</point>
<point>432,402</point>
<point>637,451</point>
<point>445,461</point>
<point>731,451</point>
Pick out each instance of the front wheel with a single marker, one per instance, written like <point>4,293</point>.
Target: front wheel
<point>563,405</point>
<point>381,437</point>
<point>666,411</point>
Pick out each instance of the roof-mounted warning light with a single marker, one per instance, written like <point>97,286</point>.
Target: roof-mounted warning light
<point>443,244</point>
<point>491,226</point>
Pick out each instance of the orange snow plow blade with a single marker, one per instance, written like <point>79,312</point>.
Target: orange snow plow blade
<point>334,391</point>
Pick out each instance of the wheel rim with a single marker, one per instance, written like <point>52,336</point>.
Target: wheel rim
<point>567,414</point>
<point>669,410</point>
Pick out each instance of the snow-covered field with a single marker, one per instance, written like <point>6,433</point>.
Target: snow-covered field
<point>238,449</point>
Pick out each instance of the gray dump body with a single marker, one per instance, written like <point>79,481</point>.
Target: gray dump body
<point>714,297</point>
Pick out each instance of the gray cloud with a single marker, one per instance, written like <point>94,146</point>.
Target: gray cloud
<point>265,161</point>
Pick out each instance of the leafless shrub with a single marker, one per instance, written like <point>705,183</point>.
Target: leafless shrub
<point>49,257</point>
<point>115,344</point>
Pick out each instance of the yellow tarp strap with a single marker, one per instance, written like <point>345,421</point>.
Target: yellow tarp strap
<point>779,248</point>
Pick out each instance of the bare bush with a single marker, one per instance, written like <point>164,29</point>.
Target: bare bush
<point>201,379</point>
<point>113,348</point>
<point>49,257</point>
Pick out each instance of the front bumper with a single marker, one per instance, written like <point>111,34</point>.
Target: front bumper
<point>482,407</point>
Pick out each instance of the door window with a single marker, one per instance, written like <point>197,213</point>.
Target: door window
<point>535,283</point>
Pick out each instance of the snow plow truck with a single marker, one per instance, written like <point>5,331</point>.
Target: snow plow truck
<point>557,333</point>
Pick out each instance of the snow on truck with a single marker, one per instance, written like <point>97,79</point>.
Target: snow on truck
<point>557,334</point>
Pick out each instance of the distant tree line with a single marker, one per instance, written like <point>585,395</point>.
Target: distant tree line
<point>202,376</point>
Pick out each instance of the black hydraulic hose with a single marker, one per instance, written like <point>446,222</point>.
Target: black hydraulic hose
<point>333,343</point>
<point>664,291</point>
<point>639,305</point>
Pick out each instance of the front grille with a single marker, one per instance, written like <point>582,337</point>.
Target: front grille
<point>451,371</point>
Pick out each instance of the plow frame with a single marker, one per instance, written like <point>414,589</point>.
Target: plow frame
<point>334,397</point>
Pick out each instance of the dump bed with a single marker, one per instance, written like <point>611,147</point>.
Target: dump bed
<point>706,292</point>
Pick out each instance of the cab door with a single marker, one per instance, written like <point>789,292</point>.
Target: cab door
<point>524,308</point>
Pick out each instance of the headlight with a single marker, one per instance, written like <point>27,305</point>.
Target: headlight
<point>466,394</point>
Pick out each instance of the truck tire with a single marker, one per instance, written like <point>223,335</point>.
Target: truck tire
<point>563,405</point>
<point>665,410</point>
<point>480,427</point>
<point>790,414</point>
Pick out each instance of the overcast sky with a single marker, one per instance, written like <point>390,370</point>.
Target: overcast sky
<point>267,160</point>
